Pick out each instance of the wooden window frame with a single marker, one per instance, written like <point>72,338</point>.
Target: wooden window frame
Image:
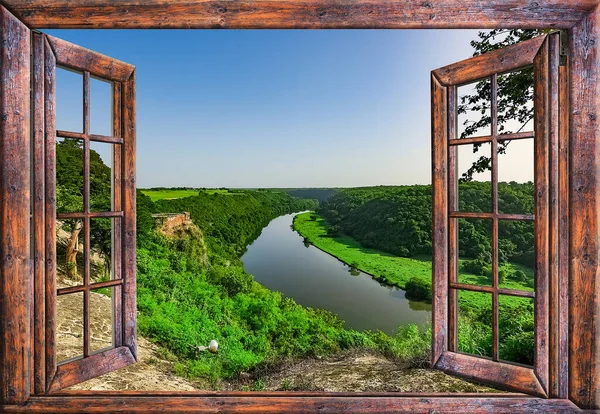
<point>580,17</point>
<point>546,377</point>
<point>49,54</point>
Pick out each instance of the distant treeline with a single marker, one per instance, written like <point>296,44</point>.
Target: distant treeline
<point>398,219</point>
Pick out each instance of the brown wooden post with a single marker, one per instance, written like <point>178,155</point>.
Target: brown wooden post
<point>15,277</point>
<point>584,195</point>
<point>439,156</point>
<point>128,204</point>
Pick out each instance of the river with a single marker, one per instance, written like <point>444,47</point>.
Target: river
<point>280,261</point>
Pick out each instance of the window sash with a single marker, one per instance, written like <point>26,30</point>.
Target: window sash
<point>550,280</point>
<point>48,54</point>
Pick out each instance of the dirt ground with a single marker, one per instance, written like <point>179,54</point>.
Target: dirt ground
<point>354,371</point>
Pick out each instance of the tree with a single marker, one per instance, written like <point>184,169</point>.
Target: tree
<point>515,93</point>
<point>69,198</point>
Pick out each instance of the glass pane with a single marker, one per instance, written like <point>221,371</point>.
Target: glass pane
<point>101,319</point>
<point>101,243</point>
<point>474,109</point>
<point>69,253</point>
<point>101,176</point>
<point>516,323</point>
<point>515,101</point>
<point>475,252</point>
<point>475,323</point>
<point>69,175</point>
<point>101,107</point>
<point>516,188</point>
<point>516,254</point>
<point>69,326</point>
<point>69,100</point>
<point>474,178</point>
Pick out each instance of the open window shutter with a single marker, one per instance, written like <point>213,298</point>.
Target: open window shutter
<point>50,373</point>
<point>546,377</point>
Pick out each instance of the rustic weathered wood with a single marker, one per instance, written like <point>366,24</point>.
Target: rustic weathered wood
<point>584,226</point>
<point>117,238</point>
<point>491,289</point>
<point>15,267</point>
<point>562,371</point>
<point>507,376</point>
<point>128,113</point>
<point>90,367</point>
<point>554,276</point>
<point>439,239</point>
<point>97,364</point>
<point>497,61</point>
<point>38,199</point>
<point>50,209</point>
<point>494,209</point>
<point>117,402</point>
<point>452,222</point>
<point>235,14</point>
<point>93,137</point>
<point>86,218</point>
<point>91,214</point>
<point>82,59</point>
<point>505,61</point>
<point>92,286</point>
<point>486,216</point>
<point>584,330</point>
<point>541,157</point>
<point>489,138</point>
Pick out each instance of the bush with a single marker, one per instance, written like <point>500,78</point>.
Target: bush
<point>418,289</point>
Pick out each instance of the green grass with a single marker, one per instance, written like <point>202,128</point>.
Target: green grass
<point>156,195</point>
<point>394,270</point>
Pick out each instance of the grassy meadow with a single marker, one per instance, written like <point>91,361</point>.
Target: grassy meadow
<point>173,194</point>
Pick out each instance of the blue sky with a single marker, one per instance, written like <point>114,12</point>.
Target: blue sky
<point>273,108</point>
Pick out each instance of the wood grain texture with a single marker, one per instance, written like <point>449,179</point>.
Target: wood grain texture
<point>556,353</point>
<point>584,228</point>
<point>439,180</point>
<point>236,14</point>
<point>82,59</point>
<point>506,376</point>
<point>542,211</point>
<point>15,267</point>
<point>452,222</point>
<point>497,61</point>
<point>95,365</point>
<point>93,137</point>
<point>563,237</point>
<point>128,200</point>
<point>50,208</point>
<point>102,402</point>
<point>39,235</point>
<point>117,233</point>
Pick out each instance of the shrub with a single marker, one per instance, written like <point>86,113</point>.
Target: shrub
<point>418,289</point>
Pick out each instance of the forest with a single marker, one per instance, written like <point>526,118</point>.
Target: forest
<point>397,220</point>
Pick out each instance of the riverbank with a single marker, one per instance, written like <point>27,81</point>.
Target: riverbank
<point>386,268</point>
<point>410,274</point>
<point>516,315</point>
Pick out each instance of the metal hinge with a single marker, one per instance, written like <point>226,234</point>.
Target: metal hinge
<point>563,50</point>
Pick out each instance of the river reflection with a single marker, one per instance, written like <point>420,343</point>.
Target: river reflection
<point>280,260</point>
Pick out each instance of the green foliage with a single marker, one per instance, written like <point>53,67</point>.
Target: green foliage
<point>515,95</point>
<point>397,220</point>
<point>418,289</point>
<point>414,276</point>
<point>230,223</point>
